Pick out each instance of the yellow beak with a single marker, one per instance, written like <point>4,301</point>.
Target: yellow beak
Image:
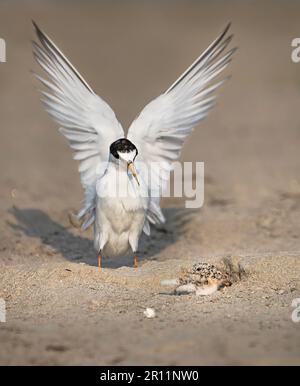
<point>133,171</point>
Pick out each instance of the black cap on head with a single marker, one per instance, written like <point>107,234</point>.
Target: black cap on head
<point>122,145</point>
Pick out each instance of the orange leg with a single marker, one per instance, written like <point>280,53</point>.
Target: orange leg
<point>99,261</point>
<point>135,261</point>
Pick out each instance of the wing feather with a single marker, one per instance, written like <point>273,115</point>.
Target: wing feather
<point>86,120</point>
<point>163,125</point>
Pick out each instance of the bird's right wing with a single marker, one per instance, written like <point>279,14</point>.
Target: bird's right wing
<point>163,125</point>
<point>86,120</point>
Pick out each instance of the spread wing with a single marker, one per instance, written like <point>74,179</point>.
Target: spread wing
<point>86,120</point>
<point>163,125</point>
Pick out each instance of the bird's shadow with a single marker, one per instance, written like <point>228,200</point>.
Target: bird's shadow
<point>75,247</point>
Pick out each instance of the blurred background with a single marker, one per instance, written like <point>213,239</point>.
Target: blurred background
<point>130,52</point>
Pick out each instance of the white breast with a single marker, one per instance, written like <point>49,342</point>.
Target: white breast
<point>120,213</point>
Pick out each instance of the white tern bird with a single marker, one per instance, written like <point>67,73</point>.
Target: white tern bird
<point>107,159</point>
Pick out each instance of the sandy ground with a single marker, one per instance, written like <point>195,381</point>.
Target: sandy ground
<point>60,309</point>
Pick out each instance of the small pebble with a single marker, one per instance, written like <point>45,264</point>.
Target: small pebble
<point>150,313</point>
<point>170,282</point>
<point>185,289</point>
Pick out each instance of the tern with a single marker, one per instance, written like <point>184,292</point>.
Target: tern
<point>107,159</point>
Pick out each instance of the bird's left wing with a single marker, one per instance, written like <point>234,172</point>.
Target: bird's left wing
<point>86,120</point>
<point>163,125</point>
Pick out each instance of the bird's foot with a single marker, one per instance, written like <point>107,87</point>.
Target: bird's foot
<point>99,261</point>
<point>135,262</point>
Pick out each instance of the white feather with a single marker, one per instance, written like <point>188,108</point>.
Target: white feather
<point>87,121</point>
<point>163,125</point>
<point>159,132</point>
